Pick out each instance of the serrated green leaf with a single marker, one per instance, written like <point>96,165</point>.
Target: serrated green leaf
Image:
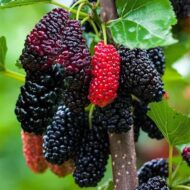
<point>144,24</point>
<point>15,3</point>
<point>107,186</point>
<point>174,126</point>
<point>3,51</point>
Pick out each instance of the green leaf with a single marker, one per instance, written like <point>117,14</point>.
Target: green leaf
<point>15,3</point>
<point>144,24</point>
<point>174,126</point>
<point>3,51</point>
<point>107,186</point>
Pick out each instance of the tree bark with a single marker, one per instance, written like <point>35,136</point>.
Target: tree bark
<point>122,146</point>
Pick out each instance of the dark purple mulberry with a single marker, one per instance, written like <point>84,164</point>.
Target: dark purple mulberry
<point>158,59</point>
<point>155,183</point>
<point>62,136</point>
<point>182,8</point>
<point>186,155</point>
<point>38,100</point>
<point>92,157</point>
<point>117,116</point>
<point>139,76</point>
<point>143,121</point>
<point>156,167</point>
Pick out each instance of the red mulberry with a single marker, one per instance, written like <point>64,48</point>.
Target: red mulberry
<point>62,170</point>
<point>156,167</point>
<point>32,148</point>
<point>186,155</point>
<point>62,136</point>
<point>105,73</point>
<point>139,76</point>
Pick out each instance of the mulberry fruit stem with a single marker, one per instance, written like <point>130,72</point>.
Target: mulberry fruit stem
<point>104,33</point>
<point>77,3</point>
<point>84,20</point>
<point>14,75</point>
<point>90,115</point>
<point>170,162</point>
<point>94,27</point>
<point>79,10</point>
<point>82,14</point>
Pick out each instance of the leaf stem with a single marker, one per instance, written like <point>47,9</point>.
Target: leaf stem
<point>177,169</point>
<point>182,187</point>
<point>104,33</point>
<point>82,14</point>
<point>170,163</point>
<point>14,75</point>
<point>90,115</point>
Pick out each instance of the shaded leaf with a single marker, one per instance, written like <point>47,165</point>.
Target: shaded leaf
<point>107,186</point>
<point>15,3</point>
<point>139,27</point>
<point>3,51</point>
<point>174,126</point>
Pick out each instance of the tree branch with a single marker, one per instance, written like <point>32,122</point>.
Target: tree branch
<point>122,145</point>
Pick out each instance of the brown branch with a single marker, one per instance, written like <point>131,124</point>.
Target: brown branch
<point>122,145</point>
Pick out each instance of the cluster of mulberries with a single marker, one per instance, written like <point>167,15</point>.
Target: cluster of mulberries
<point>153,168</point>
<point>155,183</point>
<point>181,8</point>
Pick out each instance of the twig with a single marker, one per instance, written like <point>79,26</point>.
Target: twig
<point>122,145</point>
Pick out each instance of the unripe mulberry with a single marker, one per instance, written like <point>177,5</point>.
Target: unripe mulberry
<point>158,59</point>
<point>186,155</point>
<point>62,170</point>
<point>117,116</point>
<point>105,75</point>
<point>156,167</point>
<point>92,157</point>
<point>155,183</point>
<point>62,136</point>
<point>44,43</point>
<point>182,8</point>
<point>38,100</point>
<point>143,121</point>
<point>139,76</point>
<point>32,148</point>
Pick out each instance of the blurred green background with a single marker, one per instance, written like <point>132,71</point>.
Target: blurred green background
<point>15,24</point>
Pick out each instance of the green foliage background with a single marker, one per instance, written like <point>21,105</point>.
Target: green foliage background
<point>15,24</point>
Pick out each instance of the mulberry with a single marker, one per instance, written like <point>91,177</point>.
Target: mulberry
<point>32,148</point>
<point>139,76</point>
<point>155,183</point>
<point>62,135</point>
<point>182,8</point>
<point>186,155</point>
<point>45,41</point>
<point>117,116</point>
<point>38,99</point>
<point>62,170</point>
<point>158,59</point>
<point>105,75</point>
<point>92,157</point>
<point>141,120</point>
<point>156,167</point>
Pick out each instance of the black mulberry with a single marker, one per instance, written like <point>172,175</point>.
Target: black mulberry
<point>158,59</point>
<point>38,100</point>
<point>117,116</point>
<point>156,167</point>
<point>155,183</point>
<point>62,136</point>
<point>141,120</point>
<point>139,76</point>
<point>92,157</point>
